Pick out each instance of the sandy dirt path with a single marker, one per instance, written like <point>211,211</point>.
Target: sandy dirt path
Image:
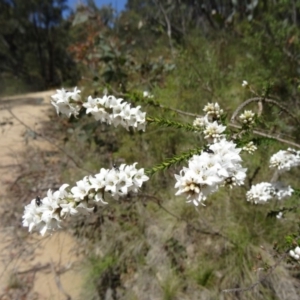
<point>54,252</point>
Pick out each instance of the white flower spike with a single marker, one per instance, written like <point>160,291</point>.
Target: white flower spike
<point>48,214</point>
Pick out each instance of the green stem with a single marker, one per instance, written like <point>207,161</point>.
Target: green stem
<point>168,123</point>
<point>172,161</point>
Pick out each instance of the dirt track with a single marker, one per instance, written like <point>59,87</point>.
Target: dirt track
<point>53,251</point>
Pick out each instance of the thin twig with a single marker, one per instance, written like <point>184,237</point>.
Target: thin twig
<point>261,99</point>
<point>180,111</point>
<point>169,28</point>
<point>35,269</point>
<point>268,136</point>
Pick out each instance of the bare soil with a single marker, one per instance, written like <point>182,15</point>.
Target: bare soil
<point>31,267</point>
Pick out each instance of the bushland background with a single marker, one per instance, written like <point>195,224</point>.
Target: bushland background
<point>186,53</point>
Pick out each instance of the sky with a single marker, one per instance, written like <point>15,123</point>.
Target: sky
<point>116,4</point>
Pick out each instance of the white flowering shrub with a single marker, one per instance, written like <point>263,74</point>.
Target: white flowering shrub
<point>217,163</point>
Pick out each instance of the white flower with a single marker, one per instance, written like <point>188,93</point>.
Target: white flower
<point>95,107</point>
<point>146,94</point>
<point>67,103</point>
<point>75,95</point>
<point>117,116</point>
<point>260,193</point>
<point>250,148</point>
<point>98,181</point>
<point>123,180</point>
<point>32,216</point>
<point>50,209</point>
<point>111,181</point>
<point>61,193</point>
<point>279,215</point>
<point>228,152</point>
<point>213,132</point>
<point>189,183</point>
<point>247,117</point>
<point>44,216</point>
<point>295,253</point>
<point>245,83</point>
<point>122,114</point>
<point>137,118</point>
<point>232,172</point>
<point>81,189</point>
<point>236,176</point>
<point>139,177</point>
<point>213,111</point>
<point>265,191</point>
<point>124,184</point>
<point>285,160</point>
<point>201,122</point>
